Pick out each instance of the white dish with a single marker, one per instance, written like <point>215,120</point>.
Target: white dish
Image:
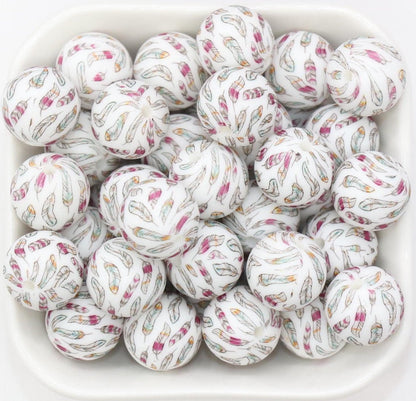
<point>282,376</point>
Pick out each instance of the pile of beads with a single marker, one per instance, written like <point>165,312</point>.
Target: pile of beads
<point>200,240</point>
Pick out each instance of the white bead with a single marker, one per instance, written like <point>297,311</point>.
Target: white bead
<point>81,145</point>
<point>129,119</point>
<point>286,270</point>
<point>214,175</point>
<point>239,329</point>
<point>121,282</point>
<point>364,306</point>
<point>298,69</point>
<point>92,61</point>
<point>170,63</point>
<point>40,106</point>
<point>167,337</point>
<point>212,266</point>
<point>48,191</point>
<point>235,36</point>
<point>43,270</point>
<point>371,190</point>
<point>366,76</point>
<point>80,330</point>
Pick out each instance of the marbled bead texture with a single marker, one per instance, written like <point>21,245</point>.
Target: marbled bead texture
<point>167,337</point>
<point>364,306</point>
<point>182,131</point>
<point>297,71</point>
<point>81,145</point>
<point>170,63</point>
<point>235,36</point>
<point>307,334</point>
<point>342,132</point>
<point>214,175</point>
<point>238,107</point>
<point>249,153</point>
<point>80,330</point>
<point>371,190</point>
<point>286,270</point>
<point>212,266</point>
<point>129,119</point>
<point>117,186</point>
<point>258,216</point>
<point>294,169</point>
<point>345,245</point>
<point>88,232</point>
<point>239,329</point>
<point>42,270</point>
<point>40,106</point>
<point>159,218</point>
<point>366,76</point>
<point>92,61</point>
<point>121,282</point>
<point>48,191</point>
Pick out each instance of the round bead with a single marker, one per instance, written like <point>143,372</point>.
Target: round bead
<point>249,153</point>
<point>167,337</point>
<point>258,216</point>
<point>214,175</point>
<point>211,267</point>
<point>116,187</point>
<point>239,329</point>
<point>294,169</point>
<point>88,232</point>
<point>235,36</point>
<point>364,306</point>
<point>366,76</point>
<point>371,190</point>
<point>48,191</point>
<point>129,118</point>
<point>182,131</point>
<point>40,106</point>
<point>306,332</point>
<point>121,282</point>
<point>344,245</point>
<point>80,330</point>
<point>42,270</point>
<point>170,63</point>
<point>343,133</point>
<point>80,145</point>
<point>93,61</point>
<point>286,270</point>
<point>238,107</point>
<point>159,218</point>
<point>298,69</point>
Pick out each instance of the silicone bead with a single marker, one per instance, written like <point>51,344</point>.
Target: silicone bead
<point>214,175</point>
<point>48,191</point>
<point>121,282</point>
<point>94,60</point>
<point>235,36</point>
<point>211,267</point>
<point>364,306</point>
<point>170,63</point>
<point>129,119</point>
<point>167,337</point>
<point>40,106</point>
<point>43,270</point>
<point>366,76</point>
<point>371,190</point>
<point>80,330</point>
<point>239,329</point>
<point>286,270</point>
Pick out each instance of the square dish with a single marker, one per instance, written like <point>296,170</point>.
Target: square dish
<point>282,376</point>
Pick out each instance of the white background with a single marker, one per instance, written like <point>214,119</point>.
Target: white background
<point>20,18</point>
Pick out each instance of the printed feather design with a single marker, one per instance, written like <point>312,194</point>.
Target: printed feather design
<point>114,277</point>
<point>158,70</point>
<point>291,332</point>
<point>151,317</point>
<point>360,316</point>
<point>232,45</point>
<point>236,22</point>
<point>390,304</point>
<point>48,214</point>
